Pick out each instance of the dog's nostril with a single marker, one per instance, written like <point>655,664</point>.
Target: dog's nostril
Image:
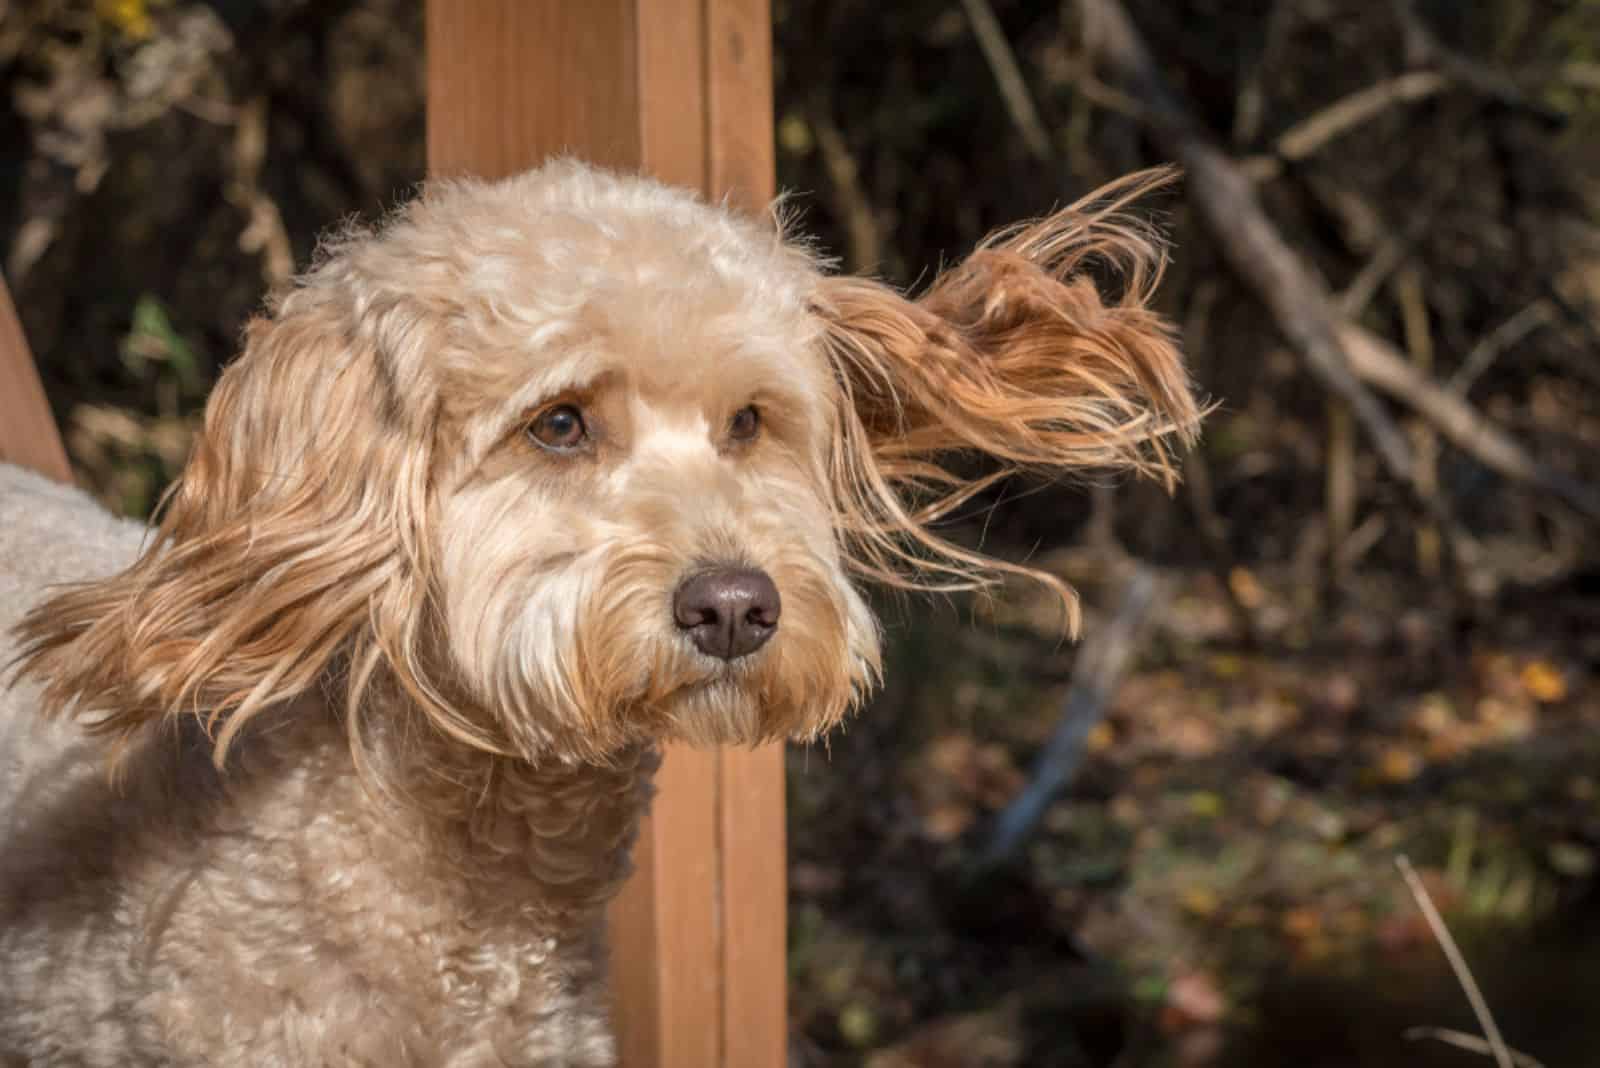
<point>727,612</point>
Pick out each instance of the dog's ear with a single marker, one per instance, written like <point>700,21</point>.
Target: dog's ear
<point>1014,354</point>
<point>295,536</point>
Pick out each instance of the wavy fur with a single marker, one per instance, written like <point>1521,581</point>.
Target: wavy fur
<point>388,678</point>
<point>1014,355</point>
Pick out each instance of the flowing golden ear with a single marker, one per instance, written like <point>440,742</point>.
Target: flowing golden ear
<point>294,536</point>
<point>1014,354</point>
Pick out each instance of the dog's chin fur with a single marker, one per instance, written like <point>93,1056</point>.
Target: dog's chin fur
<point>385,684</point>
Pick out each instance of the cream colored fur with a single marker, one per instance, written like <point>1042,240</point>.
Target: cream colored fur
<point>340,763</point>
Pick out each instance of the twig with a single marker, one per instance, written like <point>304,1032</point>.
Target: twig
<point>1251,100</point>
<point>1498,340</point>
<point>1310,134</point>
<point>1364,286</point>
<point>1580,75</point>
<point>1377,362</point>
<point>1391,252</point>
<point>1425,48</point>
<point>1339,488</point>
<point>1471,1043</point>
<point>1197,481</point>
<point>860,223</point>
<point>1458,963</point>
<point>1101,663</point>
<point>1411,294</point>
<point>1008,75</point>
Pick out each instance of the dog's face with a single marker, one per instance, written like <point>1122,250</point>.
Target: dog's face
<point>574,461</point>
<point>635,530</point>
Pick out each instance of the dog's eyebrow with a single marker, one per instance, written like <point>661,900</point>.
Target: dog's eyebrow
<point>576,372</point>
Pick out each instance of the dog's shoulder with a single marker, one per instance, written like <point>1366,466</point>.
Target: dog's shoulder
<point>52,534</point>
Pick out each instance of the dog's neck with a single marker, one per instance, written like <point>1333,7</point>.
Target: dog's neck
<point>512,839</point>
<point>566,828</point>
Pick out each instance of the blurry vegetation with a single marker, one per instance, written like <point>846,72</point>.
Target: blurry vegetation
<point>1349,664</point>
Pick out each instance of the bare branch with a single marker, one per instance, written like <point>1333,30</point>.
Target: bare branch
<point>1498,340</point>
<point>1470,1043</point>
<point>860,223</point>
<point>1102,661</point>
<point>1379,364</point>
<point>1458,963</point>
<point>1311,134</point>
<point>1425,48</point>
<point>1008,75</point>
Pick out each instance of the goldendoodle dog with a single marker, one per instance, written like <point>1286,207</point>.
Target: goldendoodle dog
<point>341,761</point>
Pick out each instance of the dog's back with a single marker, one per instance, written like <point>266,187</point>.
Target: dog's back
<point>177,917</point>
<point>56,826</point>
<point>49,535</point>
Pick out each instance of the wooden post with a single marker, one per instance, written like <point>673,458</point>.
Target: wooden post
<point>28,434</point>
<point>680,89</point>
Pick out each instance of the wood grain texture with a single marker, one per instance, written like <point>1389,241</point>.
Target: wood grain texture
<point>743,160</point>
<point>28,435</point>
<point>511,82</point>
<point>754,856</point>
<point>742,166</point>
<point>682,90</point>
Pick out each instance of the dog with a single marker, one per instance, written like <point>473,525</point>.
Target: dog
<point>340,762</point>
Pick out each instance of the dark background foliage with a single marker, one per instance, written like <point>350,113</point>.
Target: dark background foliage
<point>1337,672</point>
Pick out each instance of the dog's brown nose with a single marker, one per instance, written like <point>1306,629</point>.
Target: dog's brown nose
<point>728,612</point>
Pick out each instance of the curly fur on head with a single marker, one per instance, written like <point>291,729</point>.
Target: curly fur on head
<point>379,538</point>
<point>363,495</point>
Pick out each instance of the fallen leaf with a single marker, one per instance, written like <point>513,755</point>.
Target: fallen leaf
<point>947,822</point>
<point>858,1024</point>
<point>1434,715</point>
<point>1398,763</point>
<point>808,878</point>
<point>1246,588</point>
<point>1194,998</point>
<point>1301,923</point>
<point>1544,681</point>
<point>1201,901</point>
<point>1572,859</point>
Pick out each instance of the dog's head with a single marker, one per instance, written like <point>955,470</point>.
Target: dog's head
<point>573,461</point>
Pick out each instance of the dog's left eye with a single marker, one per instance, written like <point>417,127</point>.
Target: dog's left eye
<point>745,424</point>
<point>560,428</point>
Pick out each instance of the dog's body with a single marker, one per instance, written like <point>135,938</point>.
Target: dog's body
<point>497,499</point>
<point>274,914</point>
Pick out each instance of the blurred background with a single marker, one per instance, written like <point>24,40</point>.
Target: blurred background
<point>1366,626</point>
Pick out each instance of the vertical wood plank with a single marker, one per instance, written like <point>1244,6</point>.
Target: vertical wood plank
<point>511,82</point>
<point>677,884</point>
<point>680,89</point>
<point>28,436</point>
<point>755,1011</point>
<point>667,975</point>
<point>743,151</point>
<point>742,165</point>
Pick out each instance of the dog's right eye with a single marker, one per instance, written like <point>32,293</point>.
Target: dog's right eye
<point>560,428</point>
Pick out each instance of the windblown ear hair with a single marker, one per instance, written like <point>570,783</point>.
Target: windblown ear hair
<point>293,541</point>
<point>1014,354</point>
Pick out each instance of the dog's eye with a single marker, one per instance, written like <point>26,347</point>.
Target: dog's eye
<point>560,428</point>
<point>746,424</point>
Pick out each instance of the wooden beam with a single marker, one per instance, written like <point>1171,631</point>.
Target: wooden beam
<point>681,89</point>
<point>28,435</point>
<point>741,160</point>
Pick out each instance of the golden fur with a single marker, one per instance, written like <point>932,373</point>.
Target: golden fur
<point>369,566</point>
